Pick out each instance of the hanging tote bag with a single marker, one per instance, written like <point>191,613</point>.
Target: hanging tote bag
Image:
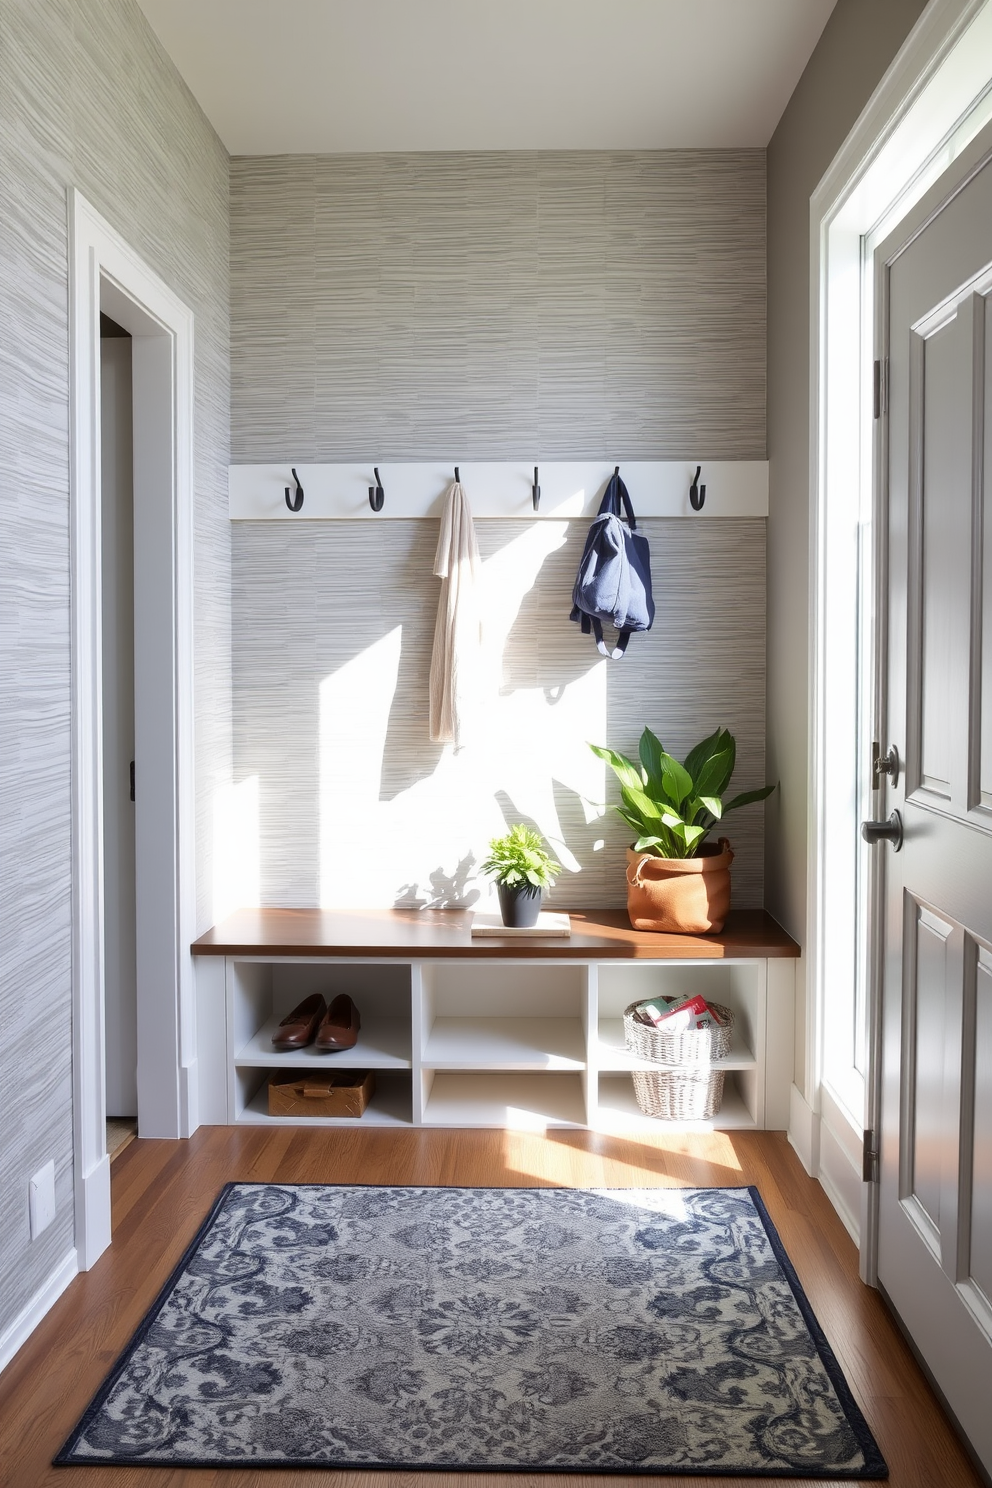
<point>613,586</point>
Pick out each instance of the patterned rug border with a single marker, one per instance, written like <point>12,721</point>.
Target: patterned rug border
<point>875,1467</point>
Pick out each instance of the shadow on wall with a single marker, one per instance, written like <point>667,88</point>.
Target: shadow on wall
<point>447,890</point>
<point>356,807</point>
<point>419,844</point>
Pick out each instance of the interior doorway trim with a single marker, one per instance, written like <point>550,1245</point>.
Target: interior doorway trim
<point>103,265</point>
<point>911,122</point>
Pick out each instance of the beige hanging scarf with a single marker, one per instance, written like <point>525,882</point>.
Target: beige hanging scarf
<point>457,656</point>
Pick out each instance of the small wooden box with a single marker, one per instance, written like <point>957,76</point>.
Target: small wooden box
<point>320,1092</point>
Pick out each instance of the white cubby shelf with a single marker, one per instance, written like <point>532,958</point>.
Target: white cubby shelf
<point>489,1034</point>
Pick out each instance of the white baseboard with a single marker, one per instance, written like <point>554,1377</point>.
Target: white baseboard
<point>93,1214</point>
<point>804,1131</point>
<point>189,1099</point>
<point>840,1161</point>
<point>20,1330</point>
<point>830,1150</point>
<point>834,1193</point>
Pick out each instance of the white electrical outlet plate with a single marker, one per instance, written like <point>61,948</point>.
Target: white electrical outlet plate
<point>41,1199</point>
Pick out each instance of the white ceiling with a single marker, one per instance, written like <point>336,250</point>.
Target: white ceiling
<point>316,76</point>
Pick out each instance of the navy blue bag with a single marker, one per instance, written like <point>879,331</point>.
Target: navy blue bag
<point>613,585</point>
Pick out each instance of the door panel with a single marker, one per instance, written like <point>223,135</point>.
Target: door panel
<point>935,1189</point>
<point>979,1268</point>
<point>985,712</point>
<point>938,358</point>
<point>926,1016</point>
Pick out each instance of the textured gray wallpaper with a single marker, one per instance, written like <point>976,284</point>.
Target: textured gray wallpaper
<point>489,306</point>
<point>333,626</point>
<point>87,98</point>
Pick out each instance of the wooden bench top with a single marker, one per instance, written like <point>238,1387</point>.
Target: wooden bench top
<point>414,934</point>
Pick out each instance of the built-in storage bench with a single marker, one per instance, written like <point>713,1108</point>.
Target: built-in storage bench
<point>499,1031</point>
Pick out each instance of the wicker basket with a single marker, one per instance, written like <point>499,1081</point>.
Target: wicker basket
<point>689,1088</point>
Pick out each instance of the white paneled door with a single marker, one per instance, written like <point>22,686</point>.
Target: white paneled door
<point>935,1199</point>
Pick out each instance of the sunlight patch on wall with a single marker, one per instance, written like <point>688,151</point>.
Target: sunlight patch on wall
<point>236,858</point>
<point>422,846</point>
<point>355,702</point>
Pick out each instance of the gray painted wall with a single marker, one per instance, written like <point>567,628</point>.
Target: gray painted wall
<point>856,48</point>
<point>90,100</point>
<point>532,305</point>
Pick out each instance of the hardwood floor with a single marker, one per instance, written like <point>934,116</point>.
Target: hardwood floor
<point>163,1190</point>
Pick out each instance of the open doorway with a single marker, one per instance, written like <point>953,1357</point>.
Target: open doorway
<point>117,613</point>
<point>108,278</point>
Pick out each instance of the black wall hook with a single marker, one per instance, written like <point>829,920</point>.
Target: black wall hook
<point>376,493</point>
<point>697,493</point>
<point>536,492</point>
<point>458,479</point>
<point>297,500</point>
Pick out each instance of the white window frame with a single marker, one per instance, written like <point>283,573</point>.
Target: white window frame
<point>931,102</point>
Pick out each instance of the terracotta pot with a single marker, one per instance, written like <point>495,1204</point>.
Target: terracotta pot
<point>690,896</point>
<point>519,904</point>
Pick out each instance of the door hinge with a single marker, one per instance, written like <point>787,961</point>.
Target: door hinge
<point>132,780</point>
<point>869,1158</point>
<point>879,370</point>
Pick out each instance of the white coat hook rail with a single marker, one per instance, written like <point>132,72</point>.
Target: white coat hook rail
<point>556,490</point>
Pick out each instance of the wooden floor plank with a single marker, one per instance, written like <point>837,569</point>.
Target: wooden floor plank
<point>162,1191</point>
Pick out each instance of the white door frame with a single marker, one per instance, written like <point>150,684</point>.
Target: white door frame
<point>103,268</point>
<point>878,175</point>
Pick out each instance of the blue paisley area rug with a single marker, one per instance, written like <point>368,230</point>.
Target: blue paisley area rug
<point>515,1329</point>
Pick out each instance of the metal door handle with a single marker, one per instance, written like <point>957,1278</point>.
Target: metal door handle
<point>884,831</point>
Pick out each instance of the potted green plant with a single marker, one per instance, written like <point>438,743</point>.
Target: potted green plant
<point>676,879</point>
<point>523,869</point>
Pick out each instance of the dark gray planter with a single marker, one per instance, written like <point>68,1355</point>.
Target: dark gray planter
<point>519,904</point>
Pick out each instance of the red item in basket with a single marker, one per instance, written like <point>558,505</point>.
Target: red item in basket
<point>682,1016</point>
<point>685,1015</point>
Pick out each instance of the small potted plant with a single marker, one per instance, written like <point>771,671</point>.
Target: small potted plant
<point>522,868</point>
<point>676,879</point>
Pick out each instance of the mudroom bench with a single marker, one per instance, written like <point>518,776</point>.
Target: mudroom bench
<point>499,1031</point>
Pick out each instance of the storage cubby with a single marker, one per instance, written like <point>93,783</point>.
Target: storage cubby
<point>391,1105</point>
<point>617,1109</point>
<point>520,1102</point>
<point>503,1044</point>
<point>739,985</point>
<point>504,1015</point>
<point>260,994</point>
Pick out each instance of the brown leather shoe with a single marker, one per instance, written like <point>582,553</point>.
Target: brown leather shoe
<point>339,1030</point>
<point>298,1027</point>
